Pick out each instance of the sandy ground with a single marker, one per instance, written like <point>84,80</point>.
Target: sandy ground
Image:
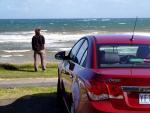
<point>26,57</point>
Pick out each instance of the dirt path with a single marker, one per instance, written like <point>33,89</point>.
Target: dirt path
<point>25,82</point>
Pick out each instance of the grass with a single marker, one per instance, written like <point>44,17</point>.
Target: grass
<point>30,100</point>
<point>26,71</point>
<point>11,93</point>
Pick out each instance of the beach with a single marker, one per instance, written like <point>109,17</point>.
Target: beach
<point>60,34</point>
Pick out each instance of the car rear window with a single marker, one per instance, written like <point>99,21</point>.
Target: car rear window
<point>123,56</point>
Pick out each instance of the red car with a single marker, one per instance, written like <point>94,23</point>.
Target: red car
<point>106,74</point>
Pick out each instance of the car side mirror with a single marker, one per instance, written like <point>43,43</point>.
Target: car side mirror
<point>75,60</point>
<point>60,55</point>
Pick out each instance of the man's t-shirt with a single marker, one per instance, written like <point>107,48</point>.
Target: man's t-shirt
<point>38,42</point>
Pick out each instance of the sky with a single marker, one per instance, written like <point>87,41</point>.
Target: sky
<point>15,9</point>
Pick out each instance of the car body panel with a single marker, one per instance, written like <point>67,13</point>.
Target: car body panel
<point>123,84</point>
<point>122,39</point>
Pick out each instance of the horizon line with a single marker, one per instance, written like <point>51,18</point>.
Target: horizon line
<point>78,18</point>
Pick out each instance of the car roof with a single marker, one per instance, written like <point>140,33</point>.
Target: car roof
<point>121,39</point>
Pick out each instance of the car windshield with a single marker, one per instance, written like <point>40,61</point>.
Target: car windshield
<point>123,56</point>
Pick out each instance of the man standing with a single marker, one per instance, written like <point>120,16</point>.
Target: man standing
<point>38,42</point>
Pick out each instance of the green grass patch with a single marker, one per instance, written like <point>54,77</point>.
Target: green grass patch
<point>27,71</point>
<point>10,93</point>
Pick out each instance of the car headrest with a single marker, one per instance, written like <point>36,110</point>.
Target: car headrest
<point>109,57</point>
<point>143,52</point>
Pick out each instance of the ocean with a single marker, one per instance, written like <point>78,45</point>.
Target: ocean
<point>60,34</point>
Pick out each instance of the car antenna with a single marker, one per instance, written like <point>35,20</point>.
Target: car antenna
<point>132,38</point>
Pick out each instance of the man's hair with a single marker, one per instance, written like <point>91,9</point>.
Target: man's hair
<point>37,29</point>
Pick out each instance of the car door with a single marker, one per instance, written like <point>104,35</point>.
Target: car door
<point>67,72</point>
<point>81,62</point>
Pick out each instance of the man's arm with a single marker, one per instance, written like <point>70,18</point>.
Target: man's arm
<point>43,39</point>
<point>43,42</point>
<point>32,43</point>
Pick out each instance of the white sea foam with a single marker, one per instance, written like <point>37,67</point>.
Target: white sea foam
<point>94,19</point>
<point>18,33</point>
<point>64,49</point>
<point>103,26</point>
<point>53,38</point>
<point>61,49</point>
<point>139,33</point>
<point>1,41</point>
<point>142,33</point>
<point>15,51</point>
<point>49,37</point>
<point>94,32</point>
<point>54,51</point>
<point>122,23</point>
<point>44,30</point>
<point>18,55</point>
<point>26,37</point>
<point>105,19</point>
<point>6,56</point>
<point>22,32</point>
<point>15,38</point>
<point>86,20</point>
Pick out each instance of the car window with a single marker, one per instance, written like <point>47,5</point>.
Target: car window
<point>83,60</point>
<point>75,49</point>
<point>82,51</point>
<point>123,55</point>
